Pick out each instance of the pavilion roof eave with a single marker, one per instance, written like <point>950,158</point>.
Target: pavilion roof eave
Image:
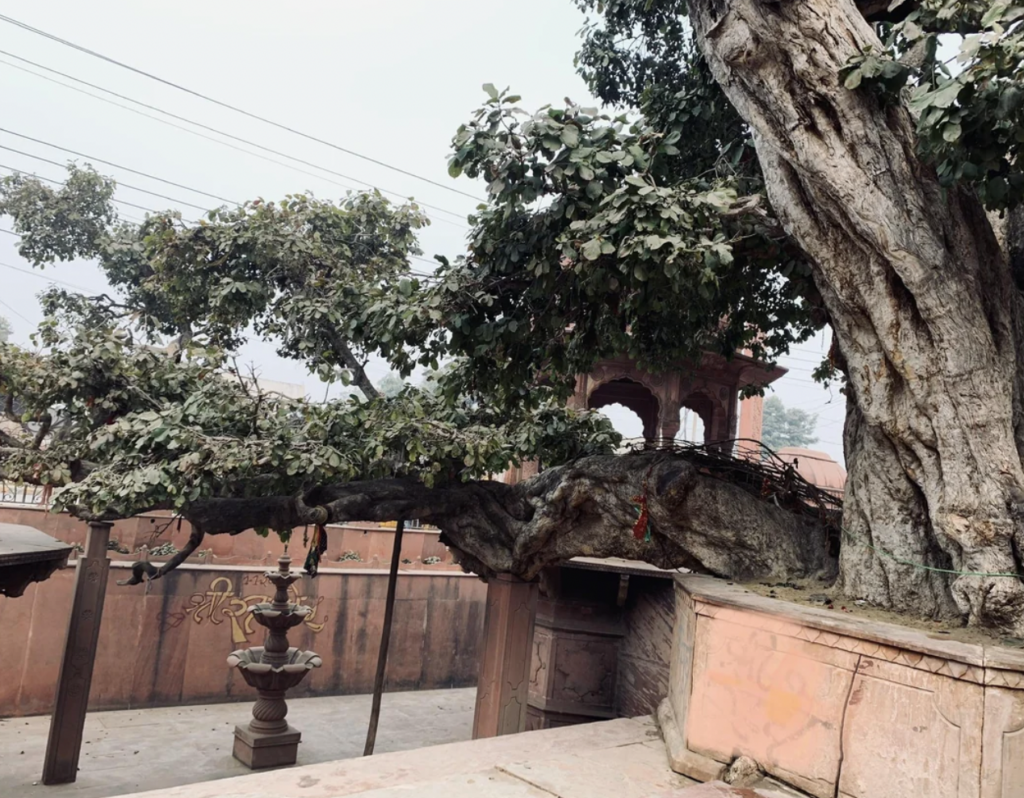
<point>746,369</point>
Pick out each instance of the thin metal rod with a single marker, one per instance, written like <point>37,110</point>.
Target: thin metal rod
<point>385,638</point>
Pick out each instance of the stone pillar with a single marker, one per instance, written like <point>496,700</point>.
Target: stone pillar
<point>68,721</point>
<point>751,420</point>
<point>503,686</point>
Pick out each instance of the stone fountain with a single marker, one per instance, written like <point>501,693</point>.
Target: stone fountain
<point>273,669</point>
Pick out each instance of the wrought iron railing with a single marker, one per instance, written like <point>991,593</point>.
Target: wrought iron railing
<point>20,493</point>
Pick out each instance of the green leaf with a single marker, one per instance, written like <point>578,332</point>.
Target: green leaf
<point>853,78</point>
<point>571,136</point>
<point>942,97</point>
<point>592,249</point>
<point>491,91</point>
<point>995,12</point>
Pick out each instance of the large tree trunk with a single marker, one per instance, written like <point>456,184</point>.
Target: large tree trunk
<point>921,299</point>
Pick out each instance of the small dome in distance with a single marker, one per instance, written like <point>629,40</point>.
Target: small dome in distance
<point>817,468</point>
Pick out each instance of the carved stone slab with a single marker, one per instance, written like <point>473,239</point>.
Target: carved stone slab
<point>838,705</point>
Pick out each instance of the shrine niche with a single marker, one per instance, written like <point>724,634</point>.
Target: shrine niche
<point>574,641</point>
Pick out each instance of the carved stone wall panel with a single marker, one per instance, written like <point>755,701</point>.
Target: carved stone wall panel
<point>772,697</point>
<point>910,733</point>
<point>836,705</point>
<point>1002,764</point>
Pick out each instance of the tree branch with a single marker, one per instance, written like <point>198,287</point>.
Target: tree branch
<point>584,509</point>
<point>43,431</point>
<point>351,362</point>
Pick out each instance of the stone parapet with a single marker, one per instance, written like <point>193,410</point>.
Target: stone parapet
<point>838,705</point>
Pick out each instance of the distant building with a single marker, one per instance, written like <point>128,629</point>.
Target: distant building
<point>817,468</point>
<point>288,390</point>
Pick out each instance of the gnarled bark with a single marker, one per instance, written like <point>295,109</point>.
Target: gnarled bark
<point>921,299</point>
<point>583,509</point>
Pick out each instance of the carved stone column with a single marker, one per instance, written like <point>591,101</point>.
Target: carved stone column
<point>68,722</point>
<point>503,685</point>
<point>579,626</point>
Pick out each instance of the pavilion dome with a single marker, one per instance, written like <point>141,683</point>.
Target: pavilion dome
<point>817,468</point>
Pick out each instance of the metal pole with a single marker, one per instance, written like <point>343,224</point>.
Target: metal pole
<point>385,637</point>
<point>68,721</point>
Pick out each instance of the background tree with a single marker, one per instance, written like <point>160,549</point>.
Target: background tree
<point>784,426</point>
<point>391,385</point>
<point>5,330</point>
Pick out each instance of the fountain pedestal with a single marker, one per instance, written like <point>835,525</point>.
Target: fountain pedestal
<point>267,740</point>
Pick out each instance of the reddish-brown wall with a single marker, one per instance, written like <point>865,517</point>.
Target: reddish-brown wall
<point>168,644</point>
<point>371,542</point>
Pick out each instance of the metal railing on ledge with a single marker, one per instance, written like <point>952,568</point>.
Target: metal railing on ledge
<point>20,493</point>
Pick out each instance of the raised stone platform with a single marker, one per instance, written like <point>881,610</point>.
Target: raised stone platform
<point>611,759</point>
<point>839,706</point>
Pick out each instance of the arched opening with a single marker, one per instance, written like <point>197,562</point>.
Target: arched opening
<point>627,395</point>
<point>695,419</point>
<point>691,427</point>
<point>625,421</point>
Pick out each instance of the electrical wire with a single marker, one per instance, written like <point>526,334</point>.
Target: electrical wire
<point>15,312</point>
<point>31,273</point>
<point>460,216</point>
<point>236,109</point>
<point>413,273</point>
<point>119,183</point>
<point>119,166</point>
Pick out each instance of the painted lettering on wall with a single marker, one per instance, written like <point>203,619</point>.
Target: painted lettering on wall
<point>218,603</point>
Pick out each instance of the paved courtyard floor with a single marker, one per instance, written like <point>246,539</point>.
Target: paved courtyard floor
<point>148,749</point>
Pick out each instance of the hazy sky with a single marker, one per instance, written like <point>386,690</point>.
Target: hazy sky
<point>390,80</point>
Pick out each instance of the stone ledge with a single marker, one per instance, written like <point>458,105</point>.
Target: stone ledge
<point>839,705</point>
<point>717,592</point>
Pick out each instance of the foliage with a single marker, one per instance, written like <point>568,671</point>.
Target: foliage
<point>132,426</point>
<point>5,330</point>
<point>782,426</point>
<point>58,223</point>
<point>592,245</point>
<point>646,234</point>
<point>970,114</point>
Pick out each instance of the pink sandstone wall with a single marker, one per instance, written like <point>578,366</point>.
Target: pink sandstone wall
<point>168,644</point>
<point>837,705</point>
<point>372,543</point>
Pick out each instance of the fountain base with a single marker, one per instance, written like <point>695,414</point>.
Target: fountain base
<point>258,750</point>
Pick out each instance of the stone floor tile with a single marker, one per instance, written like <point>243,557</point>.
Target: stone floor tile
<point>140,750</point>
<point>629,771</point>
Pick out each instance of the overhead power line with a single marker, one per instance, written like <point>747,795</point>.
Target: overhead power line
<point>460,216</point>
<point>125,168</point>
<point>412,272</point>
<point>15,312</point>
<point>119,183</point>
<point>16,171</point>
<point>31,273</point>
<point>236,109</point>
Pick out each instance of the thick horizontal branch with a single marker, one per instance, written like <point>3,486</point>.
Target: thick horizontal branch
<point>588,508</point>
